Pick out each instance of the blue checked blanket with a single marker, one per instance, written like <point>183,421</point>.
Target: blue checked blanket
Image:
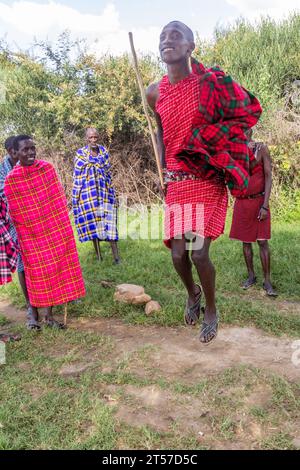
<point>93,196</point>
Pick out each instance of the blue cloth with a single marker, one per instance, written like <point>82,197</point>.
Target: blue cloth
<point>5,168</point>
<point>93,196</point>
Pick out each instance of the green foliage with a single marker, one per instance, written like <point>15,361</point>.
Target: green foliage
<point>264,57</point>
<point>61,89</point>
<point>56,94</point>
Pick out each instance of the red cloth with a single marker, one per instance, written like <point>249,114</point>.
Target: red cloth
<point>199,205</point>
<point>216,138</point>
<point>245,225</point>
<point>8,249</point>
<point>38,209</point>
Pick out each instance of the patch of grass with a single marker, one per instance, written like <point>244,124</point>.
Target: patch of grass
<point>280,440</point>
<point>148,263</point>
<point>42,409</point>
<point>3,320</point>
<point>259,413</point>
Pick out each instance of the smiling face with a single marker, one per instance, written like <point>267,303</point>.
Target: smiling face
<point>26,152</point>
<point>176,43</point>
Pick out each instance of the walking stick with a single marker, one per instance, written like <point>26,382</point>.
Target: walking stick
<point>144,101</point>
<point>65,314</point>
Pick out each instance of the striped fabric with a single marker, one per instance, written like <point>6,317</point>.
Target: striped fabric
<point>5,168</point>
<point>197,206</point>
<point>38,209</point>
<point>93,197</point>
<point>8,249</point>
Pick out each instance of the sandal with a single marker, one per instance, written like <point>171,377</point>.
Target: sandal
<point>248,283</point>
<point>55,324</point>
<point>192,313</point>
<point>270,291</point>
<point>7,337</point>
<point>32,324</point>
<point>208,329</point>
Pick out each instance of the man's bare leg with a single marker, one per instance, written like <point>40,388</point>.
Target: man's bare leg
<point>265,258</point>
<point>96,243</point>
<point>115,252</point>
<point>182,264</point>
<point>32,312</point>
<point>51,322</point>
<point>248,255</point>
<point>207,275</point>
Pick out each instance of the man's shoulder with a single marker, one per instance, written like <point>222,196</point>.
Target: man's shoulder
<point>152,94</point>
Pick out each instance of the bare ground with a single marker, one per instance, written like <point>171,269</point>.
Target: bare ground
<point>175,355</point>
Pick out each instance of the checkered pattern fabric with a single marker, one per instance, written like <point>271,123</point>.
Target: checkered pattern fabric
<point>5,168</point>
<point>8,249</point>
<point>197,206</point>
<point>93,197</point>
<point>216,139</point>
<point>38,209</point>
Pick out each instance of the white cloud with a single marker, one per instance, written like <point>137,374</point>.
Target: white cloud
<point>23,20</point>
<point>276,9</point>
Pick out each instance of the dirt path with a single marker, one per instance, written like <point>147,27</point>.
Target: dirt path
<point>161,358</point>
<point>177,354</point>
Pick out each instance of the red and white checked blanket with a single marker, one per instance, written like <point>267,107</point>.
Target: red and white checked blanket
<point>38,209</point>
<point>193,205</point>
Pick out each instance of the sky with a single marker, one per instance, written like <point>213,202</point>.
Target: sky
<point>105,23</point>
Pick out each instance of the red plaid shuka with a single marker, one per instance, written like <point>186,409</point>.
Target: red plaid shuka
<point>192,205</point>
<point>38,209</point>
<point>216,139</point>
<point>8,249</point>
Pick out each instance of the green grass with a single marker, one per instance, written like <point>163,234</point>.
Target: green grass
<point>40,408</point>
<point>3,320</point>
<point>43,407</point>
<point>149,263</point>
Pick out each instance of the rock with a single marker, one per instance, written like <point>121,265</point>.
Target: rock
<point>152,307</point>
<point>128,298</point>
<point>131,294</point>
<point>141,299</point>
<point>107,284</point>
<point>130,289</point>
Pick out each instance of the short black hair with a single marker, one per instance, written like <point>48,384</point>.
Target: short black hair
<point>189,33</point>
<point>9,143</point>
<point>19,139</point>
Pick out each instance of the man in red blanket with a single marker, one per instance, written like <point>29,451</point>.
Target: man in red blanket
<point>201,117</point>
<point>38,209</point>
<point>251,220</point>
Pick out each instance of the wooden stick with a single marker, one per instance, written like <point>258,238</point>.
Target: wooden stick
<point>144,101</point>
<point>65,314</point>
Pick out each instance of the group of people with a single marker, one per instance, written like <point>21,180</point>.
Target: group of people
<point>204,135</point>
<point>36,236</point>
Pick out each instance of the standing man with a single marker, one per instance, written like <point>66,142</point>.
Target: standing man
<point>201,117</point>
<point>38,209</point>
<point>94,198</point>
<point>9,162</point>
<point>251,221</point>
